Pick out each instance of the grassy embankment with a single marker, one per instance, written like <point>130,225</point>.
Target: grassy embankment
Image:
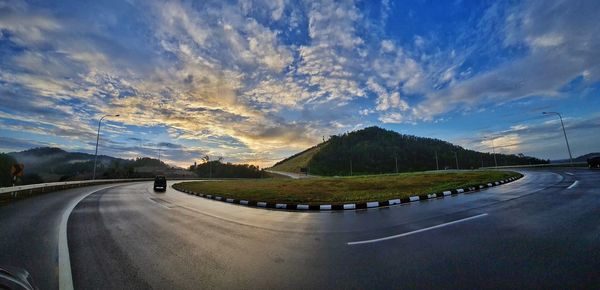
<point>300,160</point>
<point>337,190</point>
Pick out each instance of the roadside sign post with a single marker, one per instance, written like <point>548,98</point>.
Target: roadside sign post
<point>16,170</point>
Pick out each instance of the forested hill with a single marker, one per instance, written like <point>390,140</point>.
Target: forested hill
<point>374,150</point>
<point>48,164</point>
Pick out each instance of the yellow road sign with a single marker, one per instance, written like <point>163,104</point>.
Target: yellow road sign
<point>17,169</point>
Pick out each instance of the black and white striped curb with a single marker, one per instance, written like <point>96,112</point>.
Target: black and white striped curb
<point>348,206</point>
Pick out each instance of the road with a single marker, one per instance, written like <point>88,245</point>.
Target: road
<point>541,231</point>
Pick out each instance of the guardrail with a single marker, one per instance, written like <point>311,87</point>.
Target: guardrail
<point>9,194</point>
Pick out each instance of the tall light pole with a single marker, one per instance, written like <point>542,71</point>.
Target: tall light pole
<point>564,132</point>
<point>97,140</point>
<point>456,158</point>
<point>493,151</point>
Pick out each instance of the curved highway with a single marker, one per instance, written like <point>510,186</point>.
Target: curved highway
<point>541,231</point>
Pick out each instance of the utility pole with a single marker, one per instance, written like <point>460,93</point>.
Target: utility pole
<point>141,148</point>
<point>564,132</point>
<point>493,151</point>
<point>456,158</point>
<point>350,166</point>
<point>437,163</point>
<point>396,158</point>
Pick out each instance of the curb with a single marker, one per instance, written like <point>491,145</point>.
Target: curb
<point>349,206</point>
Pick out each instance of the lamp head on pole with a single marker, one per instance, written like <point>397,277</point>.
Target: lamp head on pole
<point>550,113</point>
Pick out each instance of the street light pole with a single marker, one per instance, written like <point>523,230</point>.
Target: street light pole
<point>97,140</point>
<point>456,158</point>
<point>564,132</point>
<point>493,151</point>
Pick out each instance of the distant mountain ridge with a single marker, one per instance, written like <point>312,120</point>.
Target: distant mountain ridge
<point>582,158</point>
<point>374,150</point>
<point>54,164</point>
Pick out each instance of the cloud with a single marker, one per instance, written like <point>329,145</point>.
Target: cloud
<point>257,80</point>
<point>385,100</point>
<point>25,27</point>
<point>559,50</point>
<point>543,133</point>
<point>16,144</point>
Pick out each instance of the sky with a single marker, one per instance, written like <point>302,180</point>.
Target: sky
<point>256,81</point>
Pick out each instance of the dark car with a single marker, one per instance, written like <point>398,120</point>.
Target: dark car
<point>160,183</point>
<point>594,162</point>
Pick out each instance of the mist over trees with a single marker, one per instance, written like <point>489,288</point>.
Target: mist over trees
<point>46,164</point>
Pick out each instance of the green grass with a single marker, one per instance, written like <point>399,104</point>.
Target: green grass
<point>338,190</point>
<point>294,164</point>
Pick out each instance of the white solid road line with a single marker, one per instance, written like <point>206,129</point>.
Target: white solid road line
<point>569,173</point>
<point>65,278</point>
<point>417,231</point>
<point>574,184</point>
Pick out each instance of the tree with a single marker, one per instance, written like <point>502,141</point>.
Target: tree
<point>6,161</point>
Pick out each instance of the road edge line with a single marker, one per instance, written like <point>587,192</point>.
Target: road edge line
<point>575,183</point>
<point>65,276</point>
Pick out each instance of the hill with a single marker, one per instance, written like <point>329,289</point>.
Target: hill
<point>375,150</point>
<point>54,164</point>
<point>297,161</point>
<point>47,164</point>
<point>582,158</point>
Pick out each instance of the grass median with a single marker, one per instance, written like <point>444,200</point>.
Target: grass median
<point>338,190</point>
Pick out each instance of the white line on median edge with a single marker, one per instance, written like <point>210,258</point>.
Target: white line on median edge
<point>65,278</point>
<point>417,231</point>
<point>574,184</point>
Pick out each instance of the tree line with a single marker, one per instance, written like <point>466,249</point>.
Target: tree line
<point>218,169</point>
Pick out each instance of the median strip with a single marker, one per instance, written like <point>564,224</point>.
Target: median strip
<point>328,206</point>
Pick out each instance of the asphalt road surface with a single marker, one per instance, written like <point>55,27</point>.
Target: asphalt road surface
<point>542,231</point>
